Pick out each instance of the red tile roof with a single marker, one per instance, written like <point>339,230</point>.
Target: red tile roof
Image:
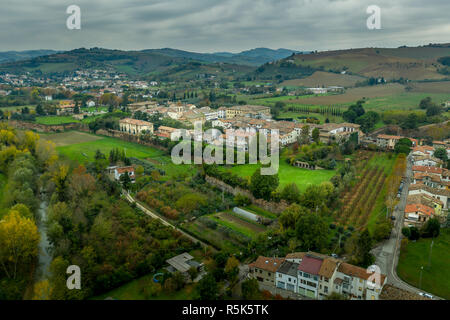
<point>417,207</point>
<point>434,170</point>
<point>310,265</point>
<point>125,169</point>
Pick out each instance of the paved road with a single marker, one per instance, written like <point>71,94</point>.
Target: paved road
<point>388,252</point>
<point>164,221</point>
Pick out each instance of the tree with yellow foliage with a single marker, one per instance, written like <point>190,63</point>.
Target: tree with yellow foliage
<point>19,239</point>
<point>42,290</point>
<point>46,152</point>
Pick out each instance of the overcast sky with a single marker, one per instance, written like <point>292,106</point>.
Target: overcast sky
<point>221,25</point>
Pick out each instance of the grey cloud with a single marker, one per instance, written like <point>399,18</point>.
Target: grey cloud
<point>221,25</point>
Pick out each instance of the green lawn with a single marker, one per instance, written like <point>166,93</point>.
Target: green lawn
<point>287,174</point>
<point>84,151</point>
<point>435,278</point>
<point>17,108</point>
<point>402,101</point>
<point>54,120</point>
<point>133,291</point>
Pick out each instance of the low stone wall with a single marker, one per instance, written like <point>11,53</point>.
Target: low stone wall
<point>24,125</point>
<point>275,207</point>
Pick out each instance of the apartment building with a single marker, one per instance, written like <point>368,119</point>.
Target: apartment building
<point>134,126</point>
<point>287,276</point>
<point>318,276</point>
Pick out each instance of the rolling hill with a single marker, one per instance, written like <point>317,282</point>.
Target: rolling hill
<point>10,56</point>
<point>140,63</point>
<point>412,63</point>
<point>253,57</point>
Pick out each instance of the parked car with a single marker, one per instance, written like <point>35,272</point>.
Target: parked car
<point>426,295</point>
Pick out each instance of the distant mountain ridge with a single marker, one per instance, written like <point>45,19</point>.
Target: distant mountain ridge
<point>10,56</point>
<point>252,57</point>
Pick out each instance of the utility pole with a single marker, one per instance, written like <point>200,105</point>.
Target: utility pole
<point>429,256</point>
<point>420,281</point>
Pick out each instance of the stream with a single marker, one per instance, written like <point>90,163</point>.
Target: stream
<point>45,259</point>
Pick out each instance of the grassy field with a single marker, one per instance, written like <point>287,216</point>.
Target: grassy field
<point>17,108</point>
<point>133,291</point>
<point>81,147</point>
<point>54,120</point>
<point>321,78</point>
<point>69,137</point>
<point>287,174</point>
<point>435,277</point>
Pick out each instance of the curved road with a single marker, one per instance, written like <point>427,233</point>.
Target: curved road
<point>387,254</point>
<point>164,221</point>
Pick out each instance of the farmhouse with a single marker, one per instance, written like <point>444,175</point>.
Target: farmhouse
<point>118,172</point>
<point>417,214</point>
<point>66,107</point>
<point>134,126</point>
<point>338,132</point>
<point>387,142</point>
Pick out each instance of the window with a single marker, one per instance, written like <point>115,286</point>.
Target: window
<point>279,275</point>
<point>325,288</point>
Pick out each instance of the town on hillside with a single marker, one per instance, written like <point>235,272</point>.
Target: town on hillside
<point>212,160</point>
